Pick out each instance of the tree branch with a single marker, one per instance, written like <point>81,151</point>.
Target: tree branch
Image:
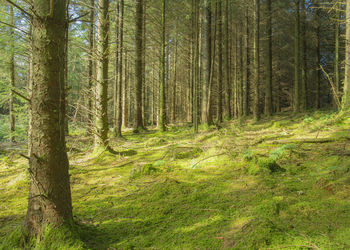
<point>20,8</point>
<point>20,95</point>
<point>77,18</point>
<point>13,26</point>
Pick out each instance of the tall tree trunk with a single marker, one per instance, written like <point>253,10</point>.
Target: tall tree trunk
<point>91,66</point>
<point>101,135</point>
<point>144,87</point>
<point>226,62</point>
<point>303,97</point>
<point>236,108</point>
<point>116,70</point>
<point>247,68</point>
<point>318,56</point>
<point>124,93</point>
<point>336,51</point>
<point>30,86</point>
<point>346,96</point>
<point>296,101</point>
<point>207,48</point>
<point>66,87</point>
<point>256,109</point>
<point>119,83</point>
<point>196,66</point>
<point>12,76</point>
<point>162,102</point>
<point>49,194</point>
<point>268,83</point>
<point>220,55</point>
<point>174,84</point>
<point>242,75</point>
<point>138,123</point>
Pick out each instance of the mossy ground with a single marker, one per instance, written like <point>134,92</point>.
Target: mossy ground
<point>279,183</point>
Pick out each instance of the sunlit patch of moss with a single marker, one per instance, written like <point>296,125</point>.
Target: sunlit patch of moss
<point>223,196</point>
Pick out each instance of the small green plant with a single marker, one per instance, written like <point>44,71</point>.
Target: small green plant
<point>281,152</point>
<point>249,156</point>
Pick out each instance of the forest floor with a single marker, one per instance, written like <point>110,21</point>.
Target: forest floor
<point>282,183</point>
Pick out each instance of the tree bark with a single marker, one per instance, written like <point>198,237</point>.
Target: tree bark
<point>296,101</point>
<point>247,68</point>
<point>12,77</point>
<point>138,122</point>
<point>346,96</point>
<point>101,135</point>
<point>91,67</point>
<point>336,51</point>
<point>318,56</point>
<point>268,83</point>
<point>303,97</point>
<point>119,83</point>
<point>256,109</point>
<point>49,199</point>
<point>162,102</point>
<point>226,62</point>
<point>220,55</point>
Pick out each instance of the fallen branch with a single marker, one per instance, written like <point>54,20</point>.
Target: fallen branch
<point>206,159</point>
<point>335,94</point>
<point>311,140</point>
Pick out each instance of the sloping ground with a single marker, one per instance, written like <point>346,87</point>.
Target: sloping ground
<point>275,184</point>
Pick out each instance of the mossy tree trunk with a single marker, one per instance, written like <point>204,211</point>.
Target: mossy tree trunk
<point>49,199</point>
<point>101,134</point>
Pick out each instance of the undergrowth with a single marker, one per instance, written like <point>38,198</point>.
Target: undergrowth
<point>248,185</point>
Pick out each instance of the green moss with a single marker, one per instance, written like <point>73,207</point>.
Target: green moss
<point>247,190</point>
